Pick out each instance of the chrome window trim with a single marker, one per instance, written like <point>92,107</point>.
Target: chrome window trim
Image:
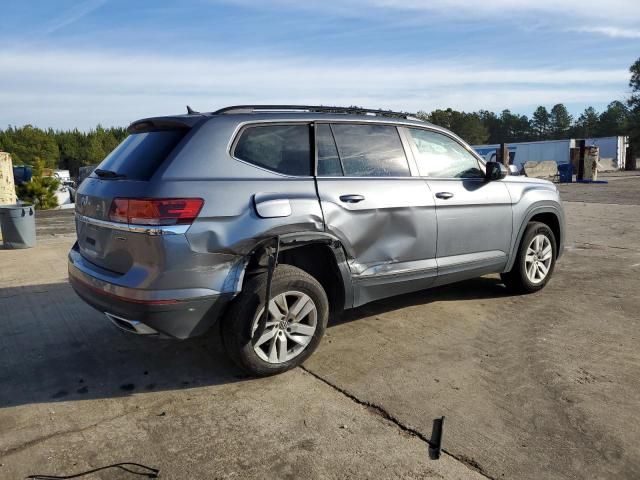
<point>401,126</point>
<point>128,227</point>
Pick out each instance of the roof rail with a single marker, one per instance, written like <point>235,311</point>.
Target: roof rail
<point>312,108</point>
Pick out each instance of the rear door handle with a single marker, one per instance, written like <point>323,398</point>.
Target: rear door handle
<point>351,198</point>
<point>444,195</point>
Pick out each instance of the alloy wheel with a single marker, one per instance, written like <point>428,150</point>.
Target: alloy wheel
<point>538,258</point>
<point>290,326</point>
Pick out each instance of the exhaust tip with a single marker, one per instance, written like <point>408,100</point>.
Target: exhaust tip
<point>131,326</point>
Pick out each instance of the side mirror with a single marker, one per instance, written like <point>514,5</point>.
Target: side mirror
<point>495,171</point>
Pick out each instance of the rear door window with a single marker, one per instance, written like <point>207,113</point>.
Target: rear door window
<point>370,150</point>
<point>140,154</point>
<point>280,148</point>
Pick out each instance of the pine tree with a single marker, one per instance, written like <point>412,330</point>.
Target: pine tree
<point>40,191</point>
<point>540,122</point>
<point>634,107</point>
<point>560,121</point>
<point>587,123</point>
<point>614,120</point>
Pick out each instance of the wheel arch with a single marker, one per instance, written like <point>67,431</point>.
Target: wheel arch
<point>312,252</point>
<point>552,215</point>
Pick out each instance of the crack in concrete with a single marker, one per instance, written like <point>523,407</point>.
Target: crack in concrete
<point>21,294</point>
<point>604,246</point>
<point>380,411</point>
<point>61,433</point>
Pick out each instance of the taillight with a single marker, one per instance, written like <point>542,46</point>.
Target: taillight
<point>155,211</point>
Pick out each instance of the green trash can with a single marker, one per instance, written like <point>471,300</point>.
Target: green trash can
<point>18,226</point>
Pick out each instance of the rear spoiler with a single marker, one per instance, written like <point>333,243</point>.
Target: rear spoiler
<point>156,124</point>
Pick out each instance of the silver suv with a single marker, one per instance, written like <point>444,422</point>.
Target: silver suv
<point>273,218</point>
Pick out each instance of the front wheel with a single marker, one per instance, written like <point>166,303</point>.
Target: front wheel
<point>535,262</point>
<point>297,318</point>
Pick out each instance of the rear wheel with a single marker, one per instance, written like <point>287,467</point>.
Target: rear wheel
<point>297,318</point>
<point>535,262</point>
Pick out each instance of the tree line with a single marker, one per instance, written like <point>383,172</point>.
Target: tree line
<point>619,118</point>
<point>72,149</point>
<point>488,127</point>
<point>60,149</point>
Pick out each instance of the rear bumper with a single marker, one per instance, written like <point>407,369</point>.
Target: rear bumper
<point>181,313</point>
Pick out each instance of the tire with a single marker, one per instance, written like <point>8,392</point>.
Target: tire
<point>291,288</point>
<point>526,274</point>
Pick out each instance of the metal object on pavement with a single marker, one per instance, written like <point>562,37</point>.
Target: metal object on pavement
<point>435,448</point>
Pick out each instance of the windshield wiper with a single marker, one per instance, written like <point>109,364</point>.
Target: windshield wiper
<point>108,174</point>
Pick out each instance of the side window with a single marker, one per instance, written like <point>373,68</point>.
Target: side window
<point>370,150</point>
<point>440,156</point>
<point>328,160</point>
<point>281,148</point>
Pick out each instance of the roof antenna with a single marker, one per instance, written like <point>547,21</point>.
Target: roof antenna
<point>191,111</point>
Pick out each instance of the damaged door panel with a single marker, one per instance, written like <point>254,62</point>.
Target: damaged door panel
<point>390,236</point>
<point>384,217</point>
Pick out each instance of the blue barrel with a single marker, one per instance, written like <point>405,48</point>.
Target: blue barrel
<point>565,172</point>
<point>18,226</point>
<point>22,174</point>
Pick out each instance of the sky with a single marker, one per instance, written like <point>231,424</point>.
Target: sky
<point>67,64</point>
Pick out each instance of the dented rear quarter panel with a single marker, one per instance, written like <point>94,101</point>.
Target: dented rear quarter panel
<point>228,223</point>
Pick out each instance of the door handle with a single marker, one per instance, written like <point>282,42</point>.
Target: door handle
<point>351,198</point>
<point>444,195</point>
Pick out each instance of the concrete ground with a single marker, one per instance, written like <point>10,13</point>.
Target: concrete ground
<point>622,188</point>
<point>538,386</point>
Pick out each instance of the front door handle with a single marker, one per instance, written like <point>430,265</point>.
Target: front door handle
<point>351,198</point>
<point>444,195</point>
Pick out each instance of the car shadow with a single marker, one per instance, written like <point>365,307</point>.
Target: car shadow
<point>53,347</point>
<point>476,289</point>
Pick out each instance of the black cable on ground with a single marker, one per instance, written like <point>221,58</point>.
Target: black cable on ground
<point>152,472</point>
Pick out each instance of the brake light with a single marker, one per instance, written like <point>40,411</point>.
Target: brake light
<point>155,211</point>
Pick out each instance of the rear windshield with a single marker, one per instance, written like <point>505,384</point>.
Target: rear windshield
<point>140,154</point>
